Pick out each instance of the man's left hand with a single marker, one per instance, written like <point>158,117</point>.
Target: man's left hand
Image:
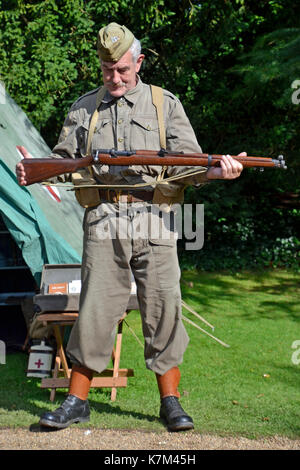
<point>229,168</point>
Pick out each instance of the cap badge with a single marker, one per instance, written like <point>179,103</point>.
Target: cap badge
<point>114,39</point>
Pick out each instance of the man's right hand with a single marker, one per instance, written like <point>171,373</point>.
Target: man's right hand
<point>20,171</point>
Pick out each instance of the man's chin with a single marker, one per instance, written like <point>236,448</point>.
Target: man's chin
<point>117,91</point>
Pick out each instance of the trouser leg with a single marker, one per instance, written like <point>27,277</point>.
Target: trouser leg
<point>105,292</point>
<point>157,274</point>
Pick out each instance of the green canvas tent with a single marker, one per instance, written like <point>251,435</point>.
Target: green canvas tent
<point>44,221</point>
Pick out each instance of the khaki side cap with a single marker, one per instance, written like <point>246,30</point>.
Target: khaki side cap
<point>113,41</point>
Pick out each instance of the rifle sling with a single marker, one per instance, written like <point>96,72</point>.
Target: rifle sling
<point>153,184</point>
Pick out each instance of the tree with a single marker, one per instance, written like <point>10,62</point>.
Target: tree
<point>223,59</point>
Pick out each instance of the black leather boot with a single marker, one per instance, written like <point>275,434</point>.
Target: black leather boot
<point>72,410</point>
<point>176,418</point>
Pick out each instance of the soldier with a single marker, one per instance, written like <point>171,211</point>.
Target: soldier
<point>124,114</point>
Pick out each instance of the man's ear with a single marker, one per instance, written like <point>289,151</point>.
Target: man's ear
<point>139,62</point>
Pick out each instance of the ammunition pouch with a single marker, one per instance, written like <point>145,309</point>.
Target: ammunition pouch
<point>168,193</point>
<point>87,197</point>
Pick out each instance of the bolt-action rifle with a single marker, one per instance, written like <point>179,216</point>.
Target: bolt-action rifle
<point>42,169</point>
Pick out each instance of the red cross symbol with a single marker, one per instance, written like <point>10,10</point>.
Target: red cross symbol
<point>39,363</point>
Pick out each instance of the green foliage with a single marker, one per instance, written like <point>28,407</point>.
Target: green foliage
<point>234,65</point>
<point>45,53</point>
<point>246,226</point>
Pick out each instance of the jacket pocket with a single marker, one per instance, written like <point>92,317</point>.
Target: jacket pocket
<point>144,133</point>
<point>162,227</point>
<point>103,135</point>
<point>101,124</point>
<point>96,223</point>
<point>163,242</point>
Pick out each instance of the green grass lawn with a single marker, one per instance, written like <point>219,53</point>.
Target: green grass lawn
<point>251,388</point>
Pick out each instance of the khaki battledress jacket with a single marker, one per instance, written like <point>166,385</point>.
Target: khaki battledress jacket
<point>109,262</point>
<point>130,123</point>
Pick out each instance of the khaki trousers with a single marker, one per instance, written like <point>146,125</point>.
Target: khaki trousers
<point>143,245</point>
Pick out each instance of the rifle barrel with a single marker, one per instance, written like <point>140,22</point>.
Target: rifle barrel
<point>183,160</point>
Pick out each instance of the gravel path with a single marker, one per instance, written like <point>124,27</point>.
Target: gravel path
<point>97,439</point>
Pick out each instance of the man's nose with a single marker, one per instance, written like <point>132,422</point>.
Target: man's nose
<point>115,77</point>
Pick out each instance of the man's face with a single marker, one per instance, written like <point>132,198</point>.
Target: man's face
<point>119,77</point>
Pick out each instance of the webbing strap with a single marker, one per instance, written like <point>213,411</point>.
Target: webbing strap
<point>158,100</point>
<point>99,98</point>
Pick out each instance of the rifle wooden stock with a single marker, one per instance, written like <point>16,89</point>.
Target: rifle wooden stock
<point>41,169</point>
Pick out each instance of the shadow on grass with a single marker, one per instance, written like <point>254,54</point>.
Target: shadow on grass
<point>274,294</point>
